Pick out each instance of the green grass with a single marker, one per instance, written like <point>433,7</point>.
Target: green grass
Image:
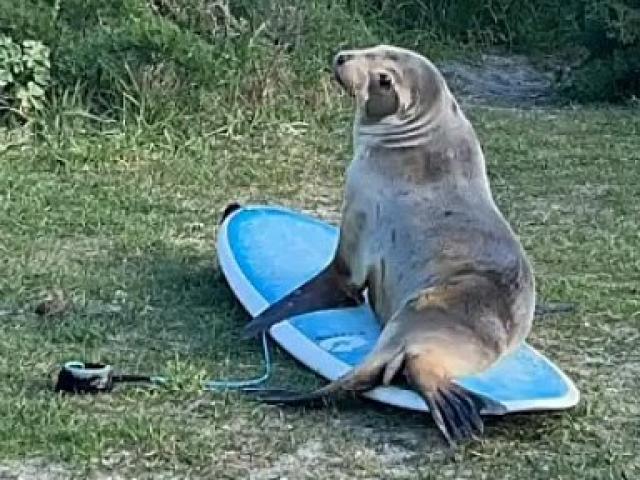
<point>124,221</point>
<point>155,122</point>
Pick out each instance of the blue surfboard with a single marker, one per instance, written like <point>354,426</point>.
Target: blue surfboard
<point>267,251</point>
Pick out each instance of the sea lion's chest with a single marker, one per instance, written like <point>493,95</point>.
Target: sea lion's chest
<point>389,228</point>
<point>388,209</point>
<point>406,235</point>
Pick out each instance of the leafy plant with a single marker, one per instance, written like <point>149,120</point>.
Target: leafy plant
<point>24,75</point>
<point>611,36</point>
<point>523,25</point>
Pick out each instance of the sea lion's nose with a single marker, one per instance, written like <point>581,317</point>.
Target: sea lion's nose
<point>341,59</point>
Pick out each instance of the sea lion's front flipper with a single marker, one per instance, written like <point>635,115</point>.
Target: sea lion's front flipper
<point>327,290</point>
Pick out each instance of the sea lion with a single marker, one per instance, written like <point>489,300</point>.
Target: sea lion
<point>443,270</point>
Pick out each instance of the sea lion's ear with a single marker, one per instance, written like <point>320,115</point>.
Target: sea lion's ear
<point>406,98</point>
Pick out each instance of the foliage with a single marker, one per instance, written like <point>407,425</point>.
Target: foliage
<point>521,24</point>
<point>152,58</point>
<point>611,35</point>
<point>24,75</point>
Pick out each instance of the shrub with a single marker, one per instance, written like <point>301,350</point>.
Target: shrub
<point>24,75</point>
<point>173,55</point>
<point>214,58</point>
<point>611,35</point>
<point>518,24</point>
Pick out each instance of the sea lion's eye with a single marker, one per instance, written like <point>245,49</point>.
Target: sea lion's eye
<point>384,81</point>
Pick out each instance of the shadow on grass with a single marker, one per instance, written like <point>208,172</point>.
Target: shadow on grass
<point>181,303</point>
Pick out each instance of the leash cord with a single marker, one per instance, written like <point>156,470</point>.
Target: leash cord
<point>91,377</point>
<point>221,385</point>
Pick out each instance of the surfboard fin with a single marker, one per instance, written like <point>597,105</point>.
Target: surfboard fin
<point>228,210</point>
<point>327,290</point>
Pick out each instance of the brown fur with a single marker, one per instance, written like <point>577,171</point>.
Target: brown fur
<point>445,273</point>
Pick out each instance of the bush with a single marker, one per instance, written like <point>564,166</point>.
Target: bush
<point>167,56</point>
<point>611,36</point>
<point>24,75</point>
<point>518,24</point>
<point>211,58</point>
<point>131,54</point>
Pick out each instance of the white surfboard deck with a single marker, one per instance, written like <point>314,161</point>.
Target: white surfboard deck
<point>267,251</point>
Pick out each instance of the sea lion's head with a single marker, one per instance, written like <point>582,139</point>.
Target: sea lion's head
<point>390,84</point>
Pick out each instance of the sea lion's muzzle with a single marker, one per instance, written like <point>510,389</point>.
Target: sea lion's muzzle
<point>350,70</point>
<point>339,62</point>
<point>342,58</point>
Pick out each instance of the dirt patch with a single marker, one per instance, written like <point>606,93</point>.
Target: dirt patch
<point>33,470</point>
<point>510,81</point>
<point>37,469</point>
<point>307,458</point>
<point>357,444</point>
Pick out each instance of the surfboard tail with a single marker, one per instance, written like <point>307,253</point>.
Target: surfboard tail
<point>327,290</point>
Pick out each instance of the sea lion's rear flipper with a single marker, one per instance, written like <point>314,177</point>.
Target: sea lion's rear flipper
<point>454,409</point>
<point>283,396</point>
<point>287,396</point>
<point>379,367</point>
<point>327,290</point>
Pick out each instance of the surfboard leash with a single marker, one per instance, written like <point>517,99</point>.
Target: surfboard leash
<point>91,377</point>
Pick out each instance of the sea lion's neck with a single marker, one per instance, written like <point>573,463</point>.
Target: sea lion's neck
<point>439,146</point>
<point>415,129</point>
<point>409,134</point>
